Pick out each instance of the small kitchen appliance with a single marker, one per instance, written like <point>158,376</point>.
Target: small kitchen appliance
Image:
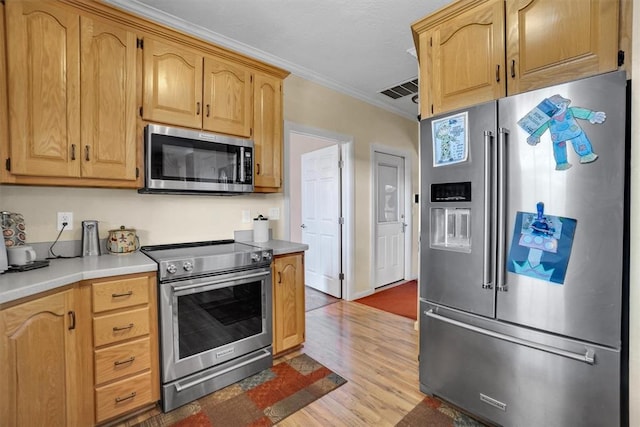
<point>215,316</point>
<point>90,238</point>
<point>4,263</point>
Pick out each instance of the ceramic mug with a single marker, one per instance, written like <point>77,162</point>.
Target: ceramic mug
<point>21,255</point>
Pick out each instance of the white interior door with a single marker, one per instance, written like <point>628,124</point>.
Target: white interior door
<point>389,218</point>
<point>321,219</point>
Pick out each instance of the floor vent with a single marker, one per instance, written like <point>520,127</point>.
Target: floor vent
<point>403,89</point>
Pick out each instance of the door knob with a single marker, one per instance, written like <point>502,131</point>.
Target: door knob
<point>303,226</point>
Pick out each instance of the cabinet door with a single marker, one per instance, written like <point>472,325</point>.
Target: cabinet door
<point>267,133</point>
<point>44,88</point>
<point>550,41</point>
<point>39,363</point>
<point>172,84</point>
<point>288,302</point>
<point>468,58</point>
<point>227,98</point>
<point>108,89</point>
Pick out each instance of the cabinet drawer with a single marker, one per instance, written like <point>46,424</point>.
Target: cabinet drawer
<point>123,396</point>
<point>121,326</point>
<point>121,359</point>
<point>120,293</point>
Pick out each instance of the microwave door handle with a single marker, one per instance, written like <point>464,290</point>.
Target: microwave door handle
<point>241,165</point>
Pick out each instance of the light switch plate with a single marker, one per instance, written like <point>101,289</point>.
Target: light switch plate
<point>274,213</point>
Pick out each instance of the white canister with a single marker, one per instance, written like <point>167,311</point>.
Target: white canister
<point>261,229</point>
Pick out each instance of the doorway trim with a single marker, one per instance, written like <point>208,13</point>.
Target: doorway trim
<point>347,239</point>
<point>408,235</point>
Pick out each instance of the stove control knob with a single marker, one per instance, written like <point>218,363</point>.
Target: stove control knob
<point>255,257</point>
<point>171,268</point>
<point>266,255</point>
<point>187,266</point>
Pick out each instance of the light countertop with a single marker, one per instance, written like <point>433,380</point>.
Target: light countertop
<point>62,272</point>
<point>65,271</point>
<point>281,247</point>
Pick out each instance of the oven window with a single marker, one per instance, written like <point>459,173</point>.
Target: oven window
<point>210,319</point>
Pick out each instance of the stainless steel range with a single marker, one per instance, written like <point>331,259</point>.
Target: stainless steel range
<point>215,316</point>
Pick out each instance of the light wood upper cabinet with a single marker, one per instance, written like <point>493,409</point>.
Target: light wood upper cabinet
<point>186,88</point>
<point>39,363</point>
<point>72,102</point>
<point>172,90</point>
<point>227,98</point>
<point>108,101</point>
<point>550,41</point>
<point>267,135</point>
<point>468,58</point>
<point>288,302</point>
<point>462,48</point>
<point>43,60</point>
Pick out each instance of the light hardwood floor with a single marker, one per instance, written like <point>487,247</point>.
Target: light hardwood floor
<point>376,352</point>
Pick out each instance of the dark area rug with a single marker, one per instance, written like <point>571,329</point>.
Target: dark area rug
<point>260,400</point>
<point>401,300</point>
<point>432,412</point>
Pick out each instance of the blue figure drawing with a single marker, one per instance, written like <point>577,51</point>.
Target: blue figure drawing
<point>564,127</point>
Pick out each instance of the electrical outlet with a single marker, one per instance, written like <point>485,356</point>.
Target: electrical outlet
<point>65,217</point>
<point>246,216</point>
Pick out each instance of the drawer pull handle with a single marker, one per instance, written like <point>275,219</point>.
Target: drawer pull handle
<point>122,328</point>
<point>122,399</point>
<point>122,362</point>
<point>73,151</point>
<point>86,153</point>
<point>126,294</point>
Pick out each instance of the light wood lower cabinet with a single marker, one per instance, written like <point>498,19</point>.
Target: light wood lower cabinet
<point>288,302</point>
<point>125,344</point>
<point>39,369</point>
<point>94,338</point>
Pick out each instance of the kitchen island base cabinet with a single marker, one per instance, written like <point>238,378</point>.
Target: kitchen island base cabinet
<point>39,355</point>
<point>288,302</point>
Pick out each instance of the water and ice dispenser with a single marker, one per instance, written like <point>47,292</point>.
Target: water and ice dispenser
<point>450,225</point>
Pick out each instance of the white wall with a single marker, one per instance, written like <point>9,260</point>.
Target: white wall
<point>312,105</point>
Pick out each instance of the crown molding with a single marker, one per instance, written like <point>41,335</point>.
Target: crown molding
<point>172,21</point>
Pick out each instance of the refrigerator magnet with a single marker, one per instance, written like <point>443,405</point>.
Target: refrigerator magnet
<point>541,245</point>
<point>555,115</point>
<point>450,139</point>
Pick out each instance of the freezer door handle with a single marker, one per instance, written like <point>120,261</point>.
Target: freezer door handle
<point>488,173</point>
<point>588,357</point>
<point>502,209</point>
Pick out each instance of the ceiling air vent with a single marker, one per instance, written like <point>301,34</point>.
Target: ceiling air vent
<point>403,89</point>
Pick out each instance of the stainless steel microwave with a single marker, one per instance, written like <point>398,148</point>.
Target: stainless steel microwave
<point>189,161</point>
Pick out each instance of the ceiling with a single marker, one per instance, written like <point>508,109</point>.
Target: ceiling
<point>357,47</point>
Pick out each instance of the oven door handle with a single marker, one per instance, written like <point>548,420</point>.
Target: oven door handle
<point>179,387</point>
<point>177,288</point>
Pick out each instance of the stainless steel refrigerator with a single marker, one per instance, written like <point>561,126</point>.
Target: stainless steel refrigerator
<point>523,244</point>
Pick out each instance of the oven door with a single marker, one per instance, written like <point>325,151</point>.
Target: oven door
<point>208,321</point>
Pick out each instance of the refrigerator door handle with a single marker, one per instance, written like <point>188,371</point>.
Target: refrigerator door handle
<point>502,209</point>
<point>588,357</point>
<point>488,173</point>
